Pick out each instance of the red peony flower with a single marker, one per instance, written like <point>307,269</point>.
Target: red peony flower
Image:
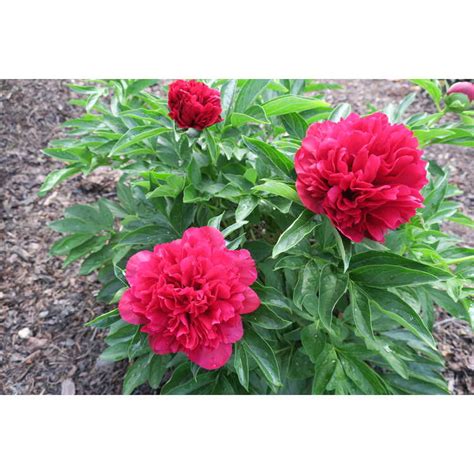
<point>189,294</point>
<point>466,88</point>
<point>363,173</point>
<point>192,104</point>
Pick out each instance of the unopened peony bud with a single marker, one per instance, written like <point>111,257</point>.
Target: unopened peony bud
<point>466,88</point>
<point>193,104</point>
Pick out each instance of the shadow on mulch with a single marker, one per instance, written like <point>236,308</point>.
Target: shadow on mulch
<point>45,347</point>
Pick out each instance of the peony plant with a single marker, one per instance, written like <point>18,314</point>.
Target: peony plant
<point>265,241</point>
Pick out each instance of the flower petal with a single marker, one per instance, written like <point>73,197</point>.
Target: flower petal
<point>127,311</point>
<point>251,302</point>
<point>211,359</point>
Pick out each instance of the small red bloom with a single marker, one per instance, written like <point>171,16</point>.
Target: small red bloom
<point>192,104</point>
<point>363,173</point>
<point>466,88</point>
<point>189,294</point>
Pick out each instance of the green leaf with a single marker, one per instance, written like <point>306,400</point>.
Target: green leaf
<point>138,85</point>
<point>362,316</point>
<point>324,367</point>
<point>297,231</point>
<point>232,228</point>
<point>385,270</point>
<point>360,309</point>
<point>148,235</point>
<point>305,292</point>
<point>278,189</point>
<point>182,382</point>
<point>287,104</point>
<point>157,370</point>
<point>291,262</point>
<point>241,365</point>
<point>136,135</point>
<point>216,221</point>
<point>455,308</point>
<point>340,112</point>
<point>104,320</point>
<point>432,88</point>
<point>248,93</point>
<point>275,158</point>
<point>95,260</point>
<point>116,352</point>
<point>313,340</point>
<point>137,374</point>
<point>331,288</point>
<point>395,308</point>
<point>74,225</point>
<point>245,207</point>
<point>211,145</point>
<point>343,244</point>
<point>56,177</point>
<point>173,187</point>
<point>295,125</point>
<point>227,96</point>
<point>364,377</point>
<point>65,244</point>
<point>254,114</point>
<point>263,355</point>
<point>266,318</point>
<point>90,246</point>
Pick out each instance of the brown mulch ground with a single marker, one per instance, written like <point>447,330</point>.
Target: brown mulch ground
<point>49,305</point>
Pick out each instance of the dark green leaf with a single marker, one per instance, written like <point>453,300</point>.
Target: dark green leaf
<point>331,288</point>
<point>137,374</point>
<point>157,370</point>
<point>385,269</point>
<point>241,365</point>
<point>297,231</point>
<point>324,368</point>
<point>275,158</point>
<point>263,355</point>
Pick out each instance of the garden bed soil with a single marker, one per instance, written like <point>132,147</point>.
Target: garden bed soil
<point>44,346</point>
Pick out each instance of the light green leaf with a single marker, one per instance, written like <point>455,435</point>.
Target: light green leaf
<point>248,93</point>
<point>136,135</point>
<point>340,112</point>
<point>287,104</point>
<point>56,177</point>
<point>278,188</point>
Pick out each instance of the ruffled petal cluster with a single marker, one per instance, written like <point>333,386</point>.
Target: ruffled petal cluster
<point>364,173</point>
<point>189,295</point>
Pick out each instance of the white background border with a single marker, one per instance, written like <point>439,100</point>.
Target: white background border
<point>236,38</point>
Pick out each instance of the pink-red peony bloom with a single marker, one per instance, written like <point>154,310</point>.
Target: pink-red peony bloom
<point>192,104</point>
<point>363,173</point>
<point>466,88</point>
<point>189,294</point>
